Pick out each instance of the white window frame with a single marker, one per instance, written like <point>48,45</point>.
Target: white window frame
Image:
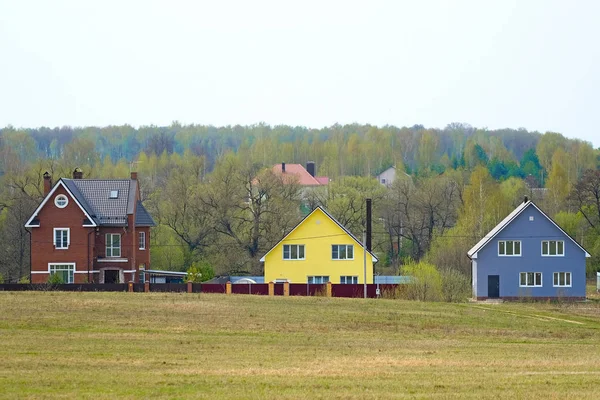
<point>62,246</point>
<point>71,275</point>
<point>557,274</point>
<point>61,196</point>
<point>339,247</point>
<point>289,255</point>
<point>534,276</point>
<point>111,248</point>
<point>353,278</point>
<point>142,240</point>
<point>321,278</point>
<point>553,255</point>
<point>513,245</point>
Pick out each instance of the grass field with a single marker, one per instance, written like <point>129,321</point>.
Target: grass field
<point>104,345</point>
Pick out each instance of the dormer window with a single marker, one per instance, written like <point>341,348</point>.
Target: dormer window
<point>61,201</point>
<point>114,194</point>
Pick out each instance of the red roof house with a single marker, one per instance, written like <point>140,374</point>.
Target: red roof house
<point>306,177</point>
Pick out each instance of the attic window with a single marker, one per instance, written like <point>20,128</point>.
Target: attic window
<point>113,194</point>
<point>61,201</point>
<point>531,217</point>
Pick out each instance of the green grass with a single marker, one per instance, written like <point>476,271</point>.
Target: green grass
<point>105,345</point>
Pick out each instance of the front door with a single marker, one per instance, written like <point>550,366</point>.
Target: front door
<point>111,276</point>
<point>493,286</point>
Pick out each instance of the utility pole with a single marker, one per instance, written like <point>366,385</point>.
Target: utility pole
<point>365,262</point>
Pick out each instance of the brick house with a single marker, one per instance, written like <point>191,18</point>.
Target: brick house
<point>90,230</point>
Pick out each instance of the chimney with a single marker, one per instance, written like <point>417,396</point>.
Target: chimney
<point>310,167</point>
<point>369,233</point>
<point>134,176</point>
<point>283,167</point>
<point>47,183</point>
<point>525,200</point>
<point>77,174</point>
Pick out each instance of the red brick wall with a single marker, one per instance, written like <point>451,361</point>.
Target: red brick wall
<point>42,247</point>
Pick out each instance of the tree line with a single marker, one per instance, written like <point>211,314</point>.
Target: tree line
<point>217,202</point>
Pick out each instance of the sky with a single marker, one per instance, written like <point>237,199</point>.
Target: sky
<point>492,64</point>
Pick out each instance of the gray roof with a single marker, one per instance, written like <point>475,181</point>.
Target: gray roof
<point>94,196</point>
<point>142,216</point>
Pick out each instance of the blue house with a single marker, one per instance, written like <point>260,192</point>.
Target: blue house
<point>528,255</point>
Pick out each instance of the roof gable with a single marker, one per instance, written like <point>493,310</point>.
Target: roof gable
<point>142,216</point>
<point>472,253</point>
<point>74,197</point>
<point>319,209</point>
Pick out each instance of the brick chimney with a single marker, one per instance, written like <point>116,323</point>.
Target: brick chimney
<point>47,183</point>
<point>134,176</point>
<point>283,167</point>
<point>77,174</point>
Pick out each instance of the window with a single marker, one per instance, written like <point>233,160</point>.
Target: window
<point>530,279</point>
<point>317,280</point>
<point>342,252</point>
<point>65,271</point>
<point>114,194</point>
<point>113,245</point>
<point>383,181</point>
<point>553,248</point>
<point>61,201</point>
<point>509,247</point>
<point>349,280</point>
<point>142,240</point>
<point>562,279</point>
<point>142,270</point>
<point>61,238</point>
<point>293,252</point>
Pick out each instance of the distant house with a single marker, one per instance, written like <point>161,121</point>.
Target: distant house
<point>388,176</point>
<point>90,230</point>
<point>305,177</point>
<point>318,250</point>
<point>528,255</point>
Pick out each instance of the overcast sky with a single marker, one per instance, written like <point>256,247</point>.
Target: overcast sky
<point>495,64</point>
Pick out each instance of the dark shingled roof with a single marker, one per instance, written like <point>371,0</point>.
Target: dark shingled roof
<point>142,216</point>
<point>94,197</point>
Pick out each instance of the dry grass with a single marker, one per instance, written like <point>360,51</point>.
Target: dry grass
<point>105,345</point>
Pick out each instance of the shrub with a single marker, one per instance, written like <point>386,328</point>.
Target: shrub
<point>24,279</point>
<point>425,283</point>
<point>455,286</point>
<point>55,279</point>
<point>200,272</point>
<point>1,278</point>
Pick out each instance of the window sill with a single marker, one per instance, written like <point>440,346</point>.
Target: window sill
<point>112,259</point>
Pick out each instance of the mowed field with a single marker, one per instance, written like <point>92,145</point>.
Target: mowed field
<point>136,345</point>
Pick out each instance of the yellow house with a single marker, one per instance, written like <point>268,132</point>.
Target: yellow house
<point>318,250</point>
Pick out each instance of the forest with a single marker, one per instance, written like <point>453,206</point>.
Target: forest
<point>219,207</point>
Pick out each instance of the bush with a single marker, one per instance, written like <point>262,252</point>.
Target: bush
<point>456,287</point>
<point>24,279</point>
<point>1,278</point>
<point>55,279</point>
<point>200,272</point>
<point>426,281</point>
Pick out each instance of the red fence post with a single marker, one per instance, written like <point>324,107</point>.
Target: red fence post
<point>189,287</point>
<point>146,287</point>
<point>130,287</point>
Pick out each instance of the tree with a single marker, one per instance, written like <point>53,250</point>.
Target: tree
<point>585,196</point>
<point>250,209</point>
<point>558,181</point>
